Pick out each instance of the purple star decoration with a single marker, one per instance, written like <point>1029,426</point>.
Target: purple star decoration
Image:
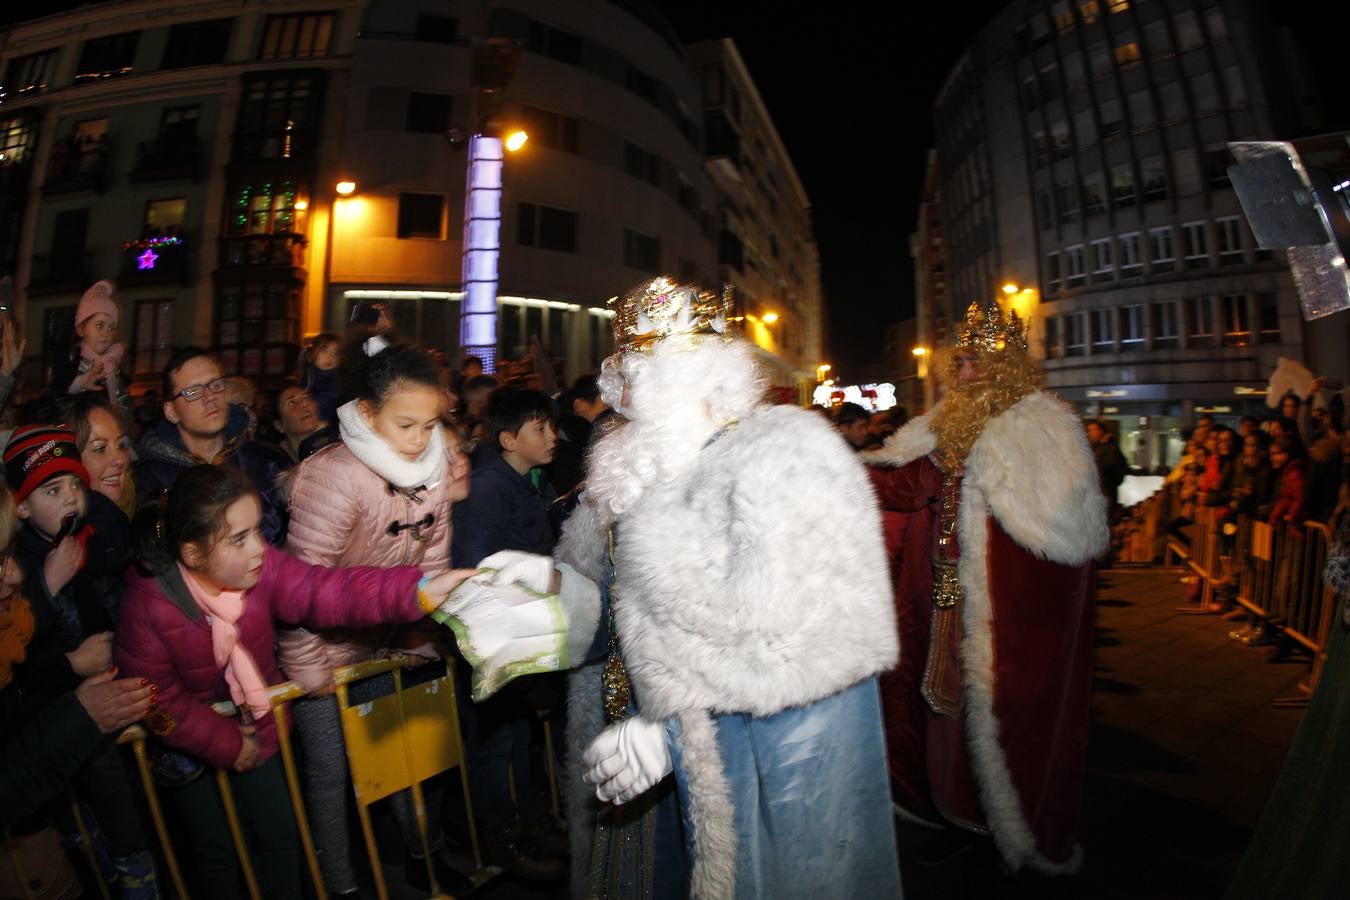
<point>147,259</point>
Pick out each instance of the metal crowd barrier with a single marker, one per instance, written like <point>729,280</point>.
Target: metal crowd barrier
<point>394,742</point>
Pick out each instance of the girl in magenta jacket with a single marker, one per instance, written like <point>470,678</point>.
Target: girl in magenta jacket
<point>200,625</point>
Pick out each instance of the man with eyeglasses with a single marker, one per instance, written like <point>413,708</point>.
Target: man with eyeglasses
<point>200,426</point>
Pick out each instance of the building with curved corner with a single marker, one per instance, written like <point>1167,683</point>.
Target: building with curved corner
<point>1082,161</point>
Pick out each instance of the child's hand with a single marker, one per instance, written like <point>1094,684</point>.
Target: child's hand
<point>249,749</point>
<point>11,349</point>
<point>113,705</point>
<point>438,587</point>
<point>94,655</point>
<point>60,566</point>
<point>89,380</point>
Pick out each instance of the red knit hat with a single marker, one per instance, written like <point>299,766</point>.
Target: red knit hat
<point>37,453</point>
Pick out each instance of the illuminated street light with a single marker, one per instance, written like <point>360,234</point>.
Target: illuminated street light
<point>920,351</point>
<point>301,205</point>
<point>1010,288</point>
<point>769,318</point>
<point>345,188</point>
<point>515,140</point>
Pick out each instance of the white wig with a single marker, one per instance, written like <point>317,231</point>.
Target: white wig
<point>678,396</point>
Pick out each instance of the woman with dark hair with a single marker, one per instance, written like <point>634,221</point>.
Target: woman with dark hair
<point>202,606</point>
<point>379,497</point>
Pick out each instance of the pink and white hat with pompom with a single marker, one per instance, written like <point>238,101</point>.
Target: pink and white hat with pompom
<point>98,299</point>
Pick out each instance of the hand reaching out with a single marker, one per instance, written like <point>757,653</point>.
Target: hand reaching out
<point>113,705</point>
<point>11,349</point>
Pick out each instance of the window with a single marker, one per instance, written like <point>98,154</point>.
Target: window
<point>1173,101</point>
<point>1200,320</point>
<point>640,163</point>
<point>1230,239</point>
<point>1237,330</point>
<point>1063,16</point>
<point>164,217</point>
<point>28,75</point>
<point>437,29</point>
<point>1052,272</point>
<point>1204,92</point>
<point>1131,327</point>
<point>1094,195</point>
<point>1045,203</point>
<point>1052,349</point>
<point>420,215</point>
<point>1129,253</point>
<point>1141,109</point>
<point>1118,6</point>
<point>1154,173</point>
<point>1194,245</point>
<point>428,113</point>
<point>1122,185</point>
<point>197,44</point>
<point>278,116</point>
<point>1042,147</point>
<point>303,36</point>
<point>1073,266</point>
<point>107,57</point>
<point>152,337</point>
<point>1162,249</point>
<point>1089,10</point>
<point>1127,54</point>
<point>1113,118</point>
<point>1103,330</point>
<point>1066,199</point>
<point>1268,308</point>
<point>1102,261</point>
<point>554,43</point>
<point>552,130</point>
<point>1085,129</point>
<point>1214,21</point>
<point>264,208</point>
<point>546,228</point>
<point>641,251</point>
<point>1156,40</point>
<point>1099,58</point>
<point>1165,327</point>
<point>1235,87</point>
<point>1059,136</point>
<point>1049,80</point>
<point>1073,68</point>
<point>1188,29</point>
<point>642,84</point>
<point>17,137</point>
<point>1075,334</point>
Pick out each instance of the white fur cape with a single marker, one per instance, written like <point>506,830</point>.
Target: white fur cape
<point>753,583</point>
<point>1032,470</point>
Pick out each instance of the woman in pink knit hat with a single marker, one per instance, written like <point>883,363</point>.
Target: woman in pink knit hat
<point>94,361</point>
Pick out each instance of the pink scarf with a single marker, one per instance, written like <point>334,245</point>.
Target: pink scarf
<point>247,687</point>
<point>112,364</point>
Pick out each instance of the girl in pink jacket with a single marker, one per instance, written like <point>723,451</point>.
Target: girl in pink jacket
<point>199,624</point>
<point>380,497</point>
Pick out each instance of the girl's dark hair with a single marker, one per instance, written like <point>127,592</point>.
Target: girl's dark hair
<point>371,378</point>
<point>191,511</point>
<point>73,410</point>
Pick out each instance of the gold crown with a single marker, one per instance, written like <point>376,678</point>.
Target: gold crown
<point>659,308</point>
<point>991,330</point>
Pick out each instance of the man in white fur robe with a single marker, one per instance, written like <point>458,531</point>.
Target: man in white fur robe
<point>987,714</point>
<point>725,575</point>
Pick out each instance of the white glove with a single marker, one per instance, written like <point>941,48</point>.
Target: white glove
<point>627,759</point>
<point>530,569</point>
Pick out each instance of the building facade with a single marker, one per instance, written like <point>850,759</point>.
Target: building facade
<point>1082,157</point>
<point>766,244</point>
<point>192,151</point>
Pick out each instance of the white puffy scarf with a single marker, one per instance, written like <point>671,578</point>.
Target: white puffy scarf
<point>426,471</point>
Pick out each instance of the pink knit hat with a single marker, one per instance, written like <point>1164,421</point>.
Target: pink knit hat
<point>98,299</point>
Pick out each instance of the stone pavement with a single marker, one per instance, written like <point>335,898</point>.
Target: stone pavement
<point>1184,749</point>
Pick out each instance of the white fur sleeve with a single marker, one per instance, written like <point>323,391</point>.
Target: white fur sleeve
<point>580,598</point>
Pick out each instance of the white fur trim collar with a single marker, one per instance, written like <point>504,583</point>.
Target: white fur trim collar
<point>426,471</point>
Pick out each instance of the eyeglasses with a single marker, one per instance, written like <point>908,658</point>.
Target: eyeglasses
<point>193,392</point>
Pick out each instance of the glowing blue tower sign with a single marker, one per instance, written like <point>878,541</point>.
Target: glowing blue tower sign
<point>482,247</point>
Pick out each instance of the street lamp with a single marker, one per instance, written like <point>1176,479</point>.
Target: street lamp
<point>345,187</point>
<point>1009,288</point>
<point>515,140</point>
<point>769,318</point>
<point>920,351</point>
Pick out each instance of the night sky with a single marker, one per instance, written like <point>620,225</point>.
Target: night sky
<point>851,96</point>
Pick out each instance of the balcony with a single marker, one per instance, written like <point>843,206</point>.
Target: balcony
<point>161,260</point>
<point>60,272</point>
<point>76,166</point>
<point>167,159</point>
<point>253,251</point>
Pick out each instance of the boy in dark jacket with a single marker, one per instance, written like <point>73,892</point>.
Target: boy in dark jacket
<point>507,509</point>
<point>74,570</point>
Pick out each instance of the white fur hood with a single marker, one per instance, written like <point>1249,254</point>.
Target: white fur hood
<point>1033,466</point>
